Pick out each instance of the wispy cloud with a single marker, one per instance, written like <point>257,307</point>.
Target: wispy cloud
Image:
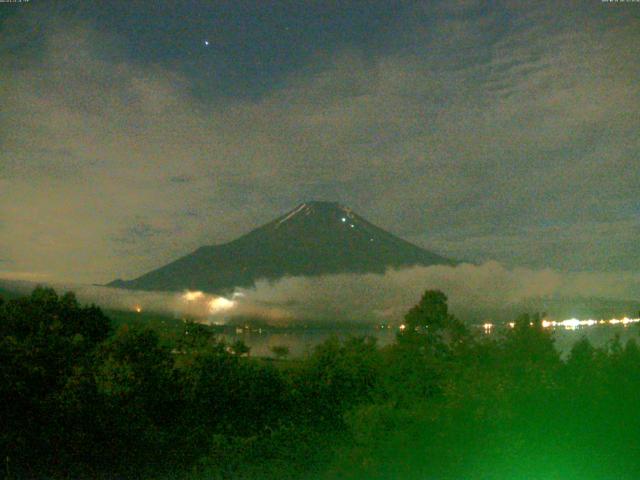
<point>484,133</point>
<point>476,293</point>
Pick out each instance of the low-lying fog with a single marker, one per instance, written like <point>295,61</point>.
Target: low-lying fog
<point>476,293</point>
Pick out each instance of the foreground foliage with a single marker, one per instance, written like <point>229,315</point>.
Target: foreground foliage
<point>79,400</point>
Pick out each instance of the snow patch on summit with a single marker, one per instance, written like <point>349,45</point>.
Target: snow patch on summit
<point>347,211</point>
<point>293,214</point>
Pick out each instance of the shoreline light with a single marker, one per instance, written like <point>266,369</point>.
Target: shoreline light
<point>570,323</point>
<point>574,323</point>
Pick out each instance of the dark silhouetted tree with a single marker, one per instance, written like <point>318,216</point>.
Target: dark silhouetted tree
<point>280,351</point>
<point>430,324</point>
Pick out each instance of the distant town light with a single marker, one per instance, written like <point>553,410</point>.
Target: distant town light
<point>574,323</point>
<point>571,323</point>
<point>190,296</point>
<point>220,304</point>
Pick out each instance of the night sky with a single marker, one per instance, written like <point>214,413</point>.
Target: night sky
<point>133,132</point>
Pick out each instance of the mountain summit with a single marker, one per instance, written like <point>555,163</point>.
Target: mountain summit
<point>315,238</point>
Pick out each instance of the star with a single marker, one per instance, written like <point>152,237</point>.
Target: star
<point>206,43</point>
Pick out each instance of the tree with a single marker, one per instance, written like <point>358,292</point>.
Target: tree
<point>240,348</point>
<point>195,337</point>
<point>280,351</point>
<point>337,376</point>
<point>135,376</point>
<point>47,346</point>
<point>430,324</point>
<point>529,343</point>
<point>431,312</point>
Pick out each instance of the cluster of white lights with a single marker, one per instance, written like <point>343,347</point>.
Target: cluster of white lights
<point>571,323</point>
<point>191,296</point>
<point>344,220</point>
<point>214,305</point>
<point>220,304</point>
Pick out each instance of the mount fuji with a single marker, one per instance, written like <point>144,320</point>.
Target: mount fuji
<point>315,238</point>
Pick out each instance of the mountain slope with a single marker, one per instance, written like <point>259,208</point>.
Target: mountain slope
<point>315,238</point>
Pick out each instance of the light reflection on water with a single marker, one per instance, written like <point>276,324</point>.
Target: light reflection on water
<point>300,342</point>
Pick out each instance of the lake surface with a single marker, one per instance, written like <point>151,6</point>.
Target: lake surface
<point>301,342</point>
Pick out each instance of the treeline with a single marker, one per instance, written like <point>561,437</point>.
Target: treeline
<point>79,400</point>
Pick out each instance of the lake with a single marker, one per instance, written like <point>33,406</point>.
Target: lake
<point>299,342</point>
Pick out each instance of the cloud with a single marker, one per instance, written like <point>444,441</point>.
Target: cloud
<point>181,179</point>
<point>24,277</point>
<point>475,292</point>
<point>486,134</point>
<point>586,246</point>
